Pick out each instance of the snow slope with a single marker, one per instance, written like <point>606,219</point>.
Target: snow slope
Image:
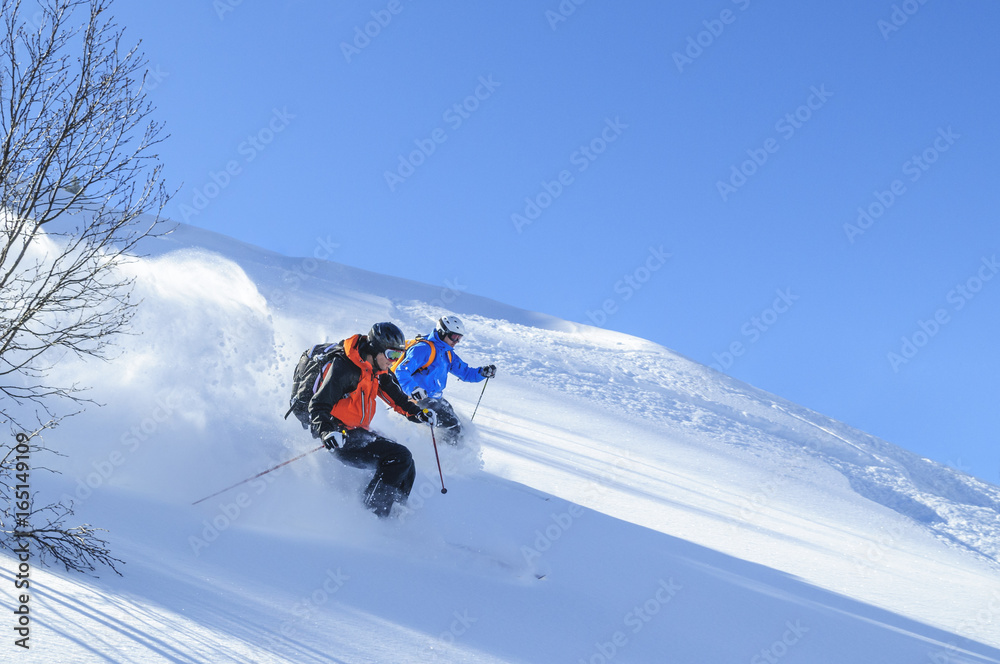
<point>615,501</point>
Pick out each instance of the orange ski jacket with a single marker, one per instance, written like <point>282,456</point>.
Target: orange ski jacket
<point>346,398</point>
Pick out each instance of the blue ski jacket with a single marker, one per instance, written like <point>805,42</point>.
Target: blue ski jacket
<point>435,377</point>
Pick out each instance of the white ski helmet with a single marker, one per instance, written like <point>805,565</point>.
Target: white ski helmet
<point>450,325</point>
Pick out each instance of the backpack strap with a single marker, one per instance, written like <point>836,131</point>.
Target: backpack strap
<point>410,344</point>
<point>430,359</point>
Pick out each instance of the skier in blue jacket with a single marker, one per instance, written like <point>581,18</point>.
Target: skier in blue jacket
<point>423,373</point>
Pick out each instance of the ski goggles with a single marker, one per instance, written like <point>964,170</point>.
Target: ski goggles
<point>393,354</point>
<point>454,337</point>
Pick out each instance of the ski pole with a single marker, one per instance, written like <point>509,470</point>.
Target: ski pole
<point>258,475</point>
<point>485,383</point>
<point>434,440</point>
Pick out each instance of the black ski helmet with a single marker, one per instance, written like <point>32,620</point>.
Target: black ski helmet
<point>384,336</point>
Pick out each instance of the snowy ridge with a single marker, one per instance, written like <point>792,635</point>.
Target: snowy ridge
<point>615,501</point>
<point>650,383</point>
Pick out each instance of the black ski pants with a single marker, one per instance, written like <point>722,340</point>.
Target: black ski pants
<point>393,465</point>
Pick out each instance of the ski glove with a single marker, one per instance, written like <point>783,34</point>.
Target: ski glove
<point>425,416</point>
<point>488,371</point>
<point>419,394</point>
<point>334,439</point>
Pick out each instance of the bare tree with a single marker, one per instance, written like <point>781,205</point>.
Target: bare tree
<point>80,186</point>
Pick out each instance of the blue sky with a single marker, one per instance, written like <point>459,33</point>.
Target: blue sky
<point>800,194</point>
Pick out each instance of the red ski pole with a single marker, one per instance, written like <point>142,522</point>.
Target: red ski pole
<point>434,440</point>
<point>259,474</point>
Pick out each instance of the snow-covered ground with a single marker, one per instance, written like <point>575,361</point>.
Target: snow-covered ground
<point>614,502</point>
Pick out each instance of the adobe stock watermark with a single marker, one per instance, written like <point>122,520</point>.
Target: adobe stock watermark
<point>958,297</point>
<point>454,116</point>
<point>581,158</point>
<point>768,490</point>
<point>418,498</point>
<point>167,404</point>
<point>984,621</point>
<point>462,622</point>
<point>634,622</point>
<point>951,654</point>
<point>779,648</point>
<point>630,284</point>
<point>755,328</point>
<point>323,250</point>
<point>223,7</point>
<point>914,168</point>
<point>249,149</point>
<point>900,15</point>
<point>229,512</point>
<point>758,501</point>
<point>307,607</point>
<point>363,35</point>
<point>153,78</point>
<point>429,485</point>
<point>697,44</point>
<point>875,551</point>
<point>452,291</point>
<point>959,465</point>
<point>562,12</point>
<point>597,489</point>
<point>553,532</point>
<point>786,127</point>
<point>22,509</point>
